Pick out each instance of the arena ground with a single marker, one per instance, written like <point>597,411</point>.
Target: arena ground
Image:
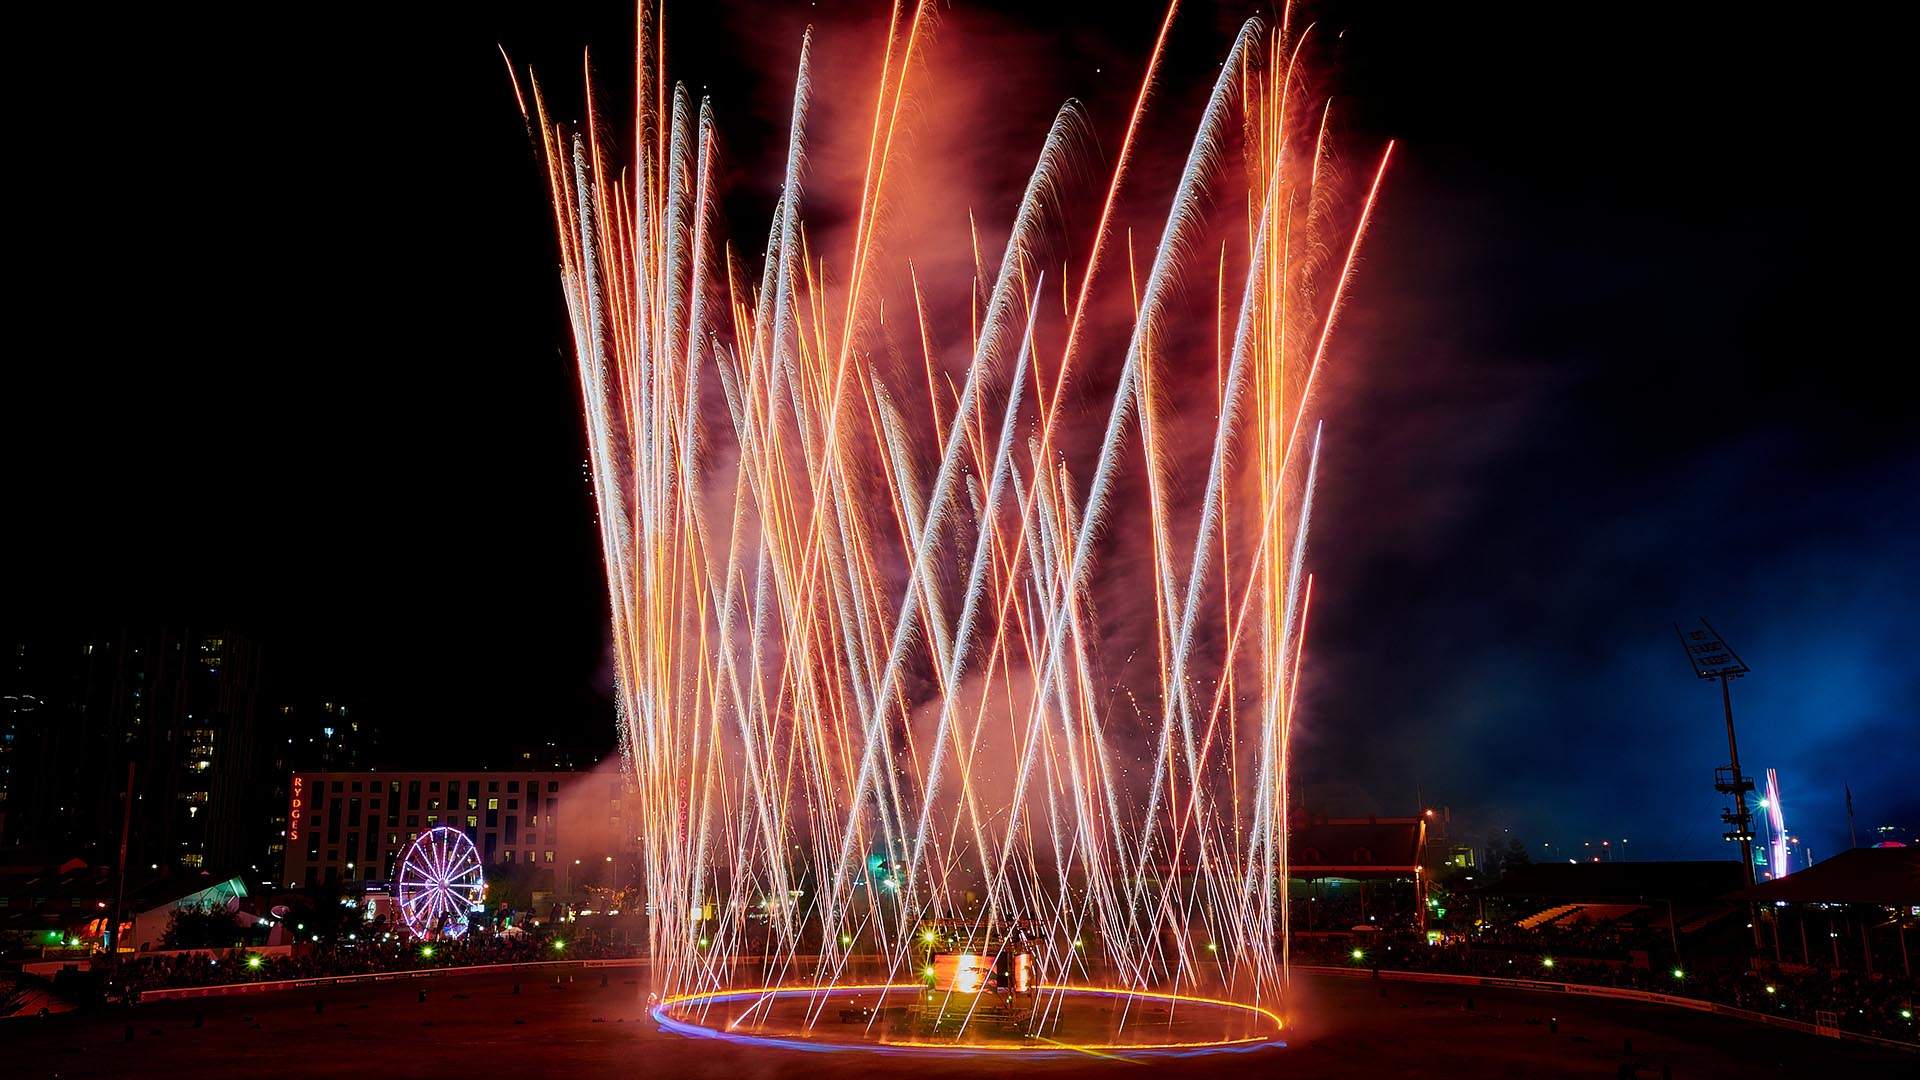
<point>482,1026</point>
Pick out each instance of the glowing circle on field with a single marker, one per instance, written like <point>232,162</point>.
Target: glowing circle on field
<point>438,883</point>
<point>747,1018</point>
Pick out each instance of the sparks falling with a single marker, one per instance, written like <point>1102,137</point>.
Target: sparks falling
<point>858,653</point>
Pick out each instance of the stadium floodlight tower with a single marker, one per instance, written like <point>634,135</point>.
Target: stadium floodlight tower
<point>1713,659</point>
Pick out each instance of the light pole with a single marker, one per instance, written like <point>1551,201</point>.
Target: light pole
<point>120,878</point>
<point>1713,659</point>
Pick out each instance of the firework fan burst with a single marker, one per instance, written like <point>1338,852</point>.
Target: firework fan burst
<point>855,577</point>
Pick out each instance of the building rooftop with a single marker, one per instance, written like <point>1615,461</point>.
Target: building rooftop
<point>1861,876</point>
<point>1592,882</point>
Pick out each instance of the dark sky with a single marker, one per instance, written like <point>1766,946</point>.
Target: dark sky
<point>1624,351</point>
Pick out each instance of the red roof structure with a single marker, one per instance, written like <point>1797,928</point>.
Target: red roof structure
<point>1371,847</point>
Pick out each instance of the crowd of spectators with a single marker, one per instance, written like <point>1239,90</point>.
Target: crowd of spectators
<point>1883,1005</point>
<point>379,953</point>
<point>1608,941</point>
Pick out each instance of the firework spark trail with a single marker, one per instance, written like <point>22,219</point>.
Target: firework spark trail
<point>1180,219</point>
<point>925,542</point>
<point>789,586</point>
<point>964,635</point>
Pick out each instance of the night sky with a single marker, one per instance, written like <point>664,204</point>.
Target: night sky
<point>1622,352</point>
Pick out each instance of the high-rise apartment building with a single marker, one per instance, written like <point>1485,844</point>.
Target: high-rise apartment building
<point>176,706</point>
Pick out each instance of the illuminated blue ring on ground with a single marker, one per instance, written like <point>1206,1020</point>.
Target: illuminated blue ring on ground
<point>694,1030</point>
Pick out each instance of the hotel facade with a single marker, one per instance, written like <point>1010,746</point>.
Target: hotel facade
<point>351,828</point>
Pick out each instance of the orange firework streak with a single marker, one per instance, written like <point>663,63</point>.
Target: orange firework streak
<point>858,663</point>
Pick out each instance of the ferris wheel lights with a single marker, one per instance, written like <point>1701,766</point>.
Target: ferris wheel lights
<point>439,884</point>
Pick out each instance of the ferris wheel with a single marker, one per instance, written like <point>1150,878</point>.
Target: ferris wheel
<point>438,883</point>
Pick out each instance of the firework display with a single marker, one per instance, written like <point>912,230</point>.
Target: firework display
<point>1777,855</point>
<point>438,883</point>
<point>858,579</point>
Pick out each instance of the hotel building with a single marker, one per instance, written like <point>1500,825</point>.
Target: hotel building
<point>353,827</point>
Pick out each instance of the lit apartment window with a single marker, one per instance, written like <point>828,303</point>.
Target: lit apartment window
<point>493,804</point>
<point>549,856</point>
<point>473,821</point>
